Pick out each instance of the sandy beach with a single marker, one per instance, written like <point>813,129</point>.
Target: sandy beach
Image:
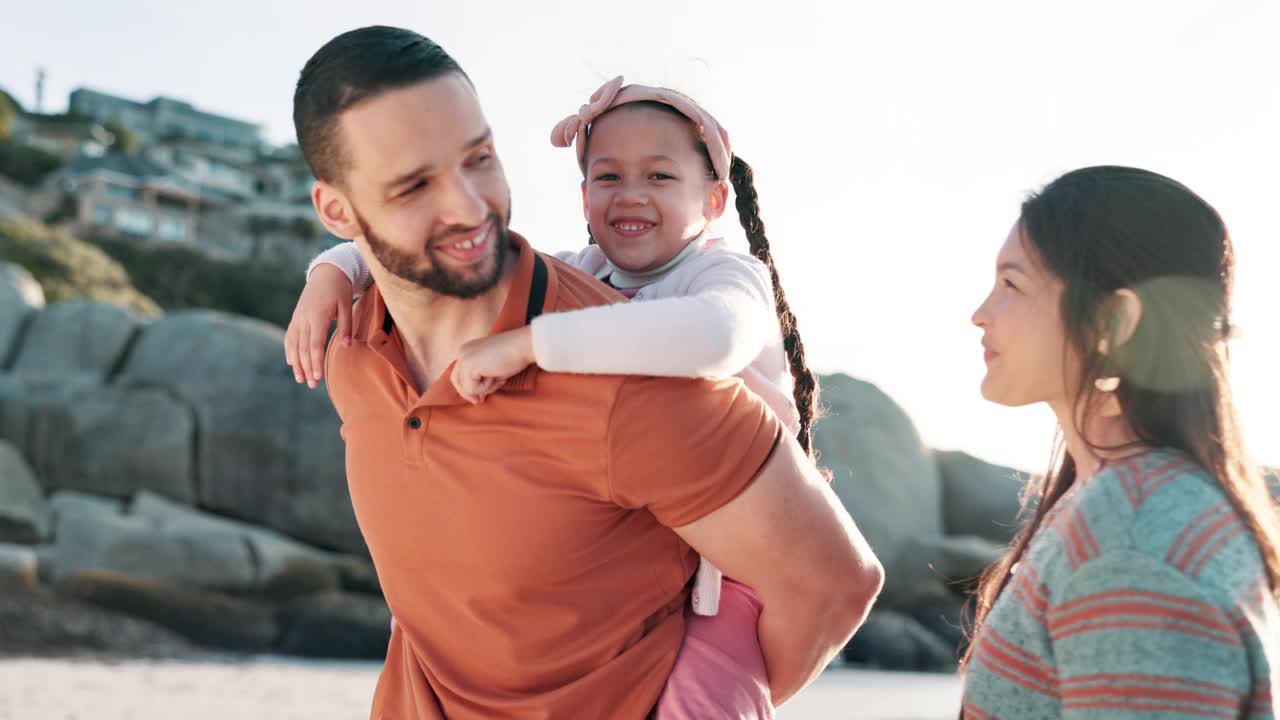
<point>288,689</point>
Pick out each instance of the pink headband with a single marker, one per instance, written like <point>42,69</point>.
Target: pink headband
<point>612,94</point>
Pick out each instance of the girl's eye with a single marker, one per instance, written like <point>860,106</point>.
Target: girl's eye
<point>662,176</point>
<point>607,177</point>
<point>482,159</point>
<point>1009,284</point>
<point>414,188</point>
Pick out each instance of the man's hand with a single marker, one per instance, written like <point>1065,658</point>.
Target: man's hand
<point>485,364</point>
<point>788,538</point>
<point>326,295</point>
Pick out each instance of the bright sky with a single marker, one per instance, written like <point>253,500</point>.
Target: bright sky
<point>892,141</point>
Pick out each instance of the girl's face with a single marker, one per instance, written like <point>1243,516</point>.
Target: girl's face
<point>647,190</point>
<point>1026,351</point>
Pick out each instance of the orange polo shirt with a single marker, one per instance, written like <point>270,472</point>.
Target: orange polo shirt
<point>524,544</point>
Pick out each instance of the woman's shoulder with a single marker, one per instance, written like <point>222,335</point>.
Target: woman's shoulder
<point>1167,507</point>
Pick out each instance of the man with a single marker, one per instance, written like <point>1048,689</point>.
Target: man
<point>535,549</point>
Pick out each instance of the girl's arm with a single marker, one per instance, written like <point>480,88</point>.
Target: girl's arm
<point>716,330</point>
<point>347,258</point>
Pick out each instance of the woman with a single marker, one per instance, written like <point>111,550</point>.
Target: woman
<point>1146,582</point>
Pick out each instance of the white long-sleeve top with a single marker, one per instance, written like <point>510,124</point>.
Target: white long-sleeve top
<point>710,314</point>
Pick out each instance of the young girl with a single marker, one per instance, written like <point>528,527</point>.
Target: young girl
<point>1146,582</point>
<point>655,166</point>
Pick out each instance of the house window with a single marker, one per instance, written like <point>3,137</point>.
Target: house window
<point>120,192</point>
<point>132,221</point>
<point>172,229</point>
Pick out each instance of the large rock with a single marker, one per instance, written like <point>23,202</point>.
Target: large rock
<point>943,566</point>
<point>104,440</point>
<point>282,567</point>
<point>208,618</point>
<point>24,514</point>
<point>33,408</point>
<point>883,474</point>
<point>979,498</point>
<point>87,539</point>
<point>76,336</point>
<point>336,625</point>
<point>40,622</point>
<point>20,297</point>
<point>894,641</point>
<point>18,568</point>
<point>76,507</point>
<point>269,448</point>
<point>949,618</point>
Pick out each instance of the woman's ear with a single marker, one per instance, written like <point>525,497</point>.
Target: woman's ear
<point>1126,313</point>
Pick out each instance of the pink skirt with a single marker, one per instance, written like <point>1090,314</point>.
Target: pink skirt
<point>720,671</point>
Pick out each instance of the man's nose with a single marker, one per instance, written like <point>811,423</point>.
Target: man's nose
<point>463,205</point>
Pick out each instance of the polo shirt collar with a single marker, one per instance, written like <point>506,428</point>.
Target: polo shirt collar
<point>378,329</point>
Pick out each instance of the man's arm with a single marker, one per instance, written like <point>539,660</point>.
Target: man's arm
<point>788,538</point>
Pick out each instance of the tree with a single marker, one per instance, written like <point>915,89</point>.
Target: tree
<point>122,138</point>
<point>27,165</point>
<point>9,110</point>
<point>258,227</point>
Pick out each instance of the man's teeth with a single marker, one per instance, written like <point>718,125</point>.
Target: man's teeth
<point>472,243</point>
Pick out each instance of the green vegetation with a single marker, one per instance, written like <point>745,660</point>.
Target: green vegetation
<point>67,268</point>
<point>26,165</point>
<point>123,140</point>
<point>183,277</point>
<point>145,278</point>
<point>9,110</point>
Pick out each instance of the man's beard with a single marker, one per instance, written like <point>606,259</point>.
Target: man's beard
<point>432,274</point>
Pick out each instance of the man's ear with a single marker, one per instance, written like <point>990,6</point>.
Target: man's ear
<point>334,210</point>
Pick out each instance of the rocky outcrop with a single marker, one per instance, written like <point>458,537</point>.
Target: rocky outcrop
<point>24,514</point>
<point>882,472</point>
<point>936,520</point>
<point>20,297</point>
<point>268,449</point>
<point>170,469</point>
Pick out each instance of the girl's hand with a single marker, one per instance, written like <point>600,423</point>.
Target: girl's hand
<point>484,365</point>
<point>326,295</point>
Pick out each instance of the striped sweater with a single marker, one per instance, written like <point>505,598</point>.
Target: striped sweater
<point>1142,596</point>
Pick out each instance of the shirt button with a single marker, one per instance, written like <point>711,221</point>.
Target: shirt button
<point>415,422</point>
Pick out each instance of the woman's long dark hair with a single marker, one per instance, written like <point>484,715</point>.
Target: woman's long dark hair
<point>1102,229</point>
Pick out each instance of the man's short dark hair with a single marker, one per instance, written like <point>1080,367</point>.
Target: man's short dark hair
<point>352,67</point>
